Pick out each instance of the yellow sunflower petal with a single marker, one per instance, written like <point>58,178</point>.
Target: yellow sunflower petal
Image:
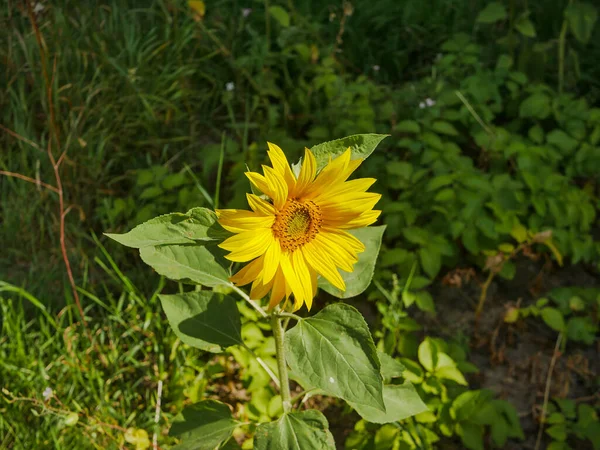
<point>279,289</point>
<point>344,239</point>
<point>238,220</point>
<point>349,203</point>
<point>260,206</point>
<point>260,183</point>
<point>360,185</point>
<point>248,245</point>
<point>355,221</point>
<point>248,273</point>
<point>330,174</point>
<point>259,290</point>
<point>291,277</point>
<point>307,173</point>
<point>301,269</point>
<point>281,165</point>
<point>323,265</point>
<point>278,186</point>
<point>341,256</point>
<point>271,264</point>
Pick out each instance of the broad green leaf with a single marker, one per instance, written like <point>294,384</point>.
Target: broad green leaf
<point>401,401</point>
<point>468,403</point>
<point>280,15</point>
<point>203,426</point>
<point>562,140</point>
<point>198,224</point>
<point>362,146</point>
<point>525,26</point>
<point>471,435</point>
<point>581,17</point>
<point>431,260</point>
<point>295,431</point>
<point>557,432</point>
<point>537,105</point>
<point>408,126</point>
<point>204,319</point>
<point>428,355</point>
<point>193,263</point>
<point>492,13</point>
<point>443,127</point>
<point>554,319</point>
<point>359,279</point>
<point>390,367</point>
<point>334,351</point>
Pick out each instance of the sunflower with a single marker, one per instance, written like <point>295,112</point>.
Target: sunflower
<point>299,232</point>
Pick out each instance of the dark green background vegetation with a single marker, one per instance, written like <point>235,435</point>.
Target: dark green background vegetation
<point>491,195</point>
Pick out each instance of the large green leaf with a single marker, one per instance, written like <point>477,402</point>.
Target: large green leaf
<point>362,146</point>
<point>401,401</point>
<point>204,319</point>
<point>192,263</point>
<point>582,18</point>
<point>390,367</point>
<point>359,280</point>
<point>492,13</point>
<point>295,431</point>
<point>334,351</point>
<point>198,224</point>
<point>203,426</point>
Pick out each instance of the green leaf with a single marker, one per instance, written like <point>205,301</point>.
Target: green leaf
<point>280,15</point>
<point>359,279</point>
<point>334,351</point>
<point>204,319</point>
<point>557,432</point>
<point>203,426</point>
<point>471,435</point>
<point>562,140</point>
<point>390,367</point>
<point>408,126</point>
<point>492,13</point>
<point>554,319</point>
<point>443,127</point>
<point>425,301</point>
<point>401,401</point>
<point>582,18</point>
<point>362,146</point>
<point>431,260</point>
<point>198,224</point>
<point>525,26</point>
<point>428,355</point>
<point>295,431</point>
<point>193,263</point>
<point>537,105</point>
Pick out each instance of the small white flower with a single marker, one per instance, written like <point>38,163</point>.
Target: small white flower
<point>47,393</point>
<point>246,12</point>
<point>429,102</point>
<point>230,86</point>
<point>38,8</point>
<point>421,105</point>
<point>376,67</point>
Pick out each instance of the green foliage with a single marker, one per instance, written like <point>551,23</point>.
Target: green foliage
<point>574,314</point>
<point>337,346</point>
<point>568,422</point>
<point>296,431</point>
<point>203,426</point>
<point>360,279</point>
<point>204,319</point>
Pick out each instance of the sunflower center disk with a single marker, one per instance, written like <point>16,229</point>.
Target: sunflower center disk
<point>297,224</point>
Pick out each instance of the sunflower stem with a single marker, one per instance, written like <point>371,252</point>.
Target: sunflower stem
<point>284,381</point>
<point>251,302</point>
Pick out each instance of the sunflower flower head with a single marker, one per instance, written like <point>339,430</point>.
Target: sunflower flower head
<point>298,229</point>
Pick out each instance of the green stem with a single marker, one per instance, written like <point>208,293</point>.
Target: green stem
<point>561,56</point>
<point>284,380</point>
<point>251,302</point>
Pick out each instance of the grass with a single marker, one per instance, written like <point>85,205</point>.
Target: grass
<point>110,385</point>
